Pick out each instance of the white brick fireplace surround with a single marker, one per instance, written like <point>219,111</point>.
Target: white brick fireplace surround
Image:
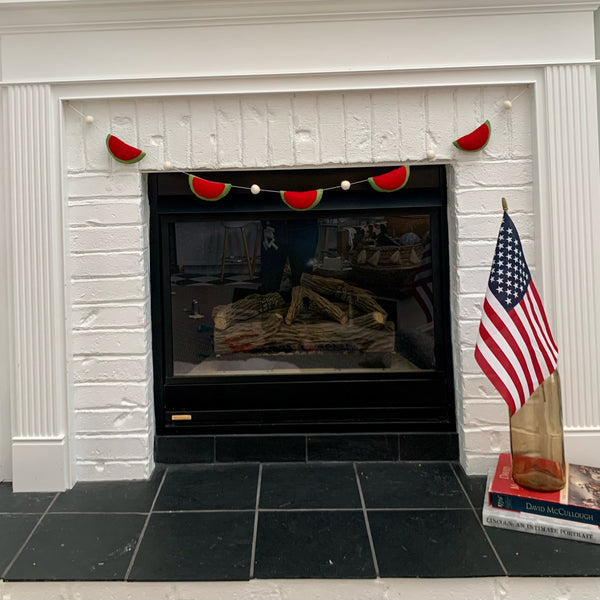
<point>268,85</point>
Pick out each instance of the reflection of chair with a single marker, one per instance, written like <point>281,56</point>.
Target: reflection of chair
<point>243,227</point>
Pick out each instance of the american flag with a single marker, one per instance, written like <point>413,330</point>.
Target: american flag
<point>514,348</point>
<point>423,284</point>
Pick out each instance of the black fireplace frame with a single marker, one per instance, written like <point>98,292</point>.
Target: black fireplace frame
<point>302,403</point>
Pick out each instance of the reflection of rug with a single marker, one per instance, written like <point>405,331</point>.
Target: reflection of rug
<point>192,337</point>
<point>283,364</point>
<point>417,346</point>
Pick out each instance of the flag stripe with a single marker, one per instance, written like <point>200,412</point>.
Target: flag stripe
<point>505,347</point>
<point>548,333</point>
<point>536,339</point>
<point>495,372</point>
<point>524,332</point>
<point>508,329</point>
<point>544,331</point>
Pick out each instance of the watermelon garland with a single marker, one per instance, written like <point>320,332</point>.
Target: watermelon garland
<point>391,181</point>
<point>123,152</point>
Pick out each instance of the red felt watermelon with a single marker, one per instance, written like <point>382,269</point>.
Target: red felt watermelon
<point>476,140</point>
<point>302,200</point>
<point>391,181</point>
<point>208,190</point>
<point>123,152</point>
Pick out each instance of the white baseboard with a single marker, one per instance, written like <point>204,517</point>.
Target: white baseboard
<point>40,465</point>
<point>582,447</point>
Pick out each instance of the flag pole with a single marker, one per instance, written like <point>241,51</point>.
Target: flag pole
<point>504,205</point>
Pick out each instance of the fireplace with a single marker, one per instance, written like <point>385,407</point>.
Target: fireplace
<point>288,87</point>
<point>333,319</point>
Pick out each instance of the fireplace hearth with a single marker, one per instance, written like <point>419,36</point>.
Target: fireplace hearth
<point>328,320</point>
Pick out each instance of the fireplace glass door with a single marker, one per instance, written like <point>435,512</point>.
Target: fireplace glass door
<point>260,310</point>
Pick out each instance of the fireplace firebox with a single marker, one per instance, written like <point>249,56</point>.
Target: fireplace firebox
<point>272,320</point>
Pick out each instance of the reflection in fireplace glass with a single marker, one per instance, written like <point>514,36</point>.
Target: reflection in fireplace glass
<point>306,294</point>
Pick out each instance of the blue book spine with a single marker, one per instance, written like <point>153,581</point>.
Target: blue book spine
<point>580,514</point>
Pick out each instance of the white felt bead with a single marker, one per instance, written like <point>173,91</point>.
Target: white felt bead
<point>507,104</point>
<point>430,154</point>
<point>89,119</point>
<point>345,185</point>
<point>255,189</point>
<point>168,164</point>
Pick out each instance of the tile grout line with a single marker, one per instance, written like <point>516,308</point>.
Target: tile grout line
<point>485,533</point>
<point>366,518</point>
<point>145,526</point>
<point>35,527</point>
<point>255,528</point>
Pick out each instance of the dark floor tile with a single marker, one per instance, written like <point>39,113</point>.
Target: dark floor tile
<point>14,530</point>
<point>531,555</point>
<point>411,485</point>
<point>110,496</point>
<point>309,486</point>
<point>312,544</point>
<point>23,502</point>
<point>431,543</point>
<point>428,446</point>
<point>184,448</point>
<point>82,547</point>
<point>352,447</point>
<point>474,485</point>
<point>209,487</point>
<point>195,547</point>
<point>267,448</point>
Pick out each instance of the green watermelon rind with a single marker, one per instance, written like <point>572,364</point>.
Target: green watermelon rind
<point>130,161</point>
<point>378,188</point>
<point>224,192</point>
<point>318,196</point>
<point>456,143</point>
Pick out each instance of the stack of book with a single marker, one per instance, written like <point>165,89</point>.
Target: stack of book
<point>572,513</point>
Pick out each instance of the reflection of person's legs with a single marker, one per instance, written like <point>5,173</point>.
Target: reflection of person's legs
<point>303,236</point>
<point>273,254</point>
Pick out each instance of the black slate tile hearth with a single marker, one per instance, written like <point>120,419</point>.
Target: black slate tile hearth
<point>309,486</point>
<point>23,502</point>
<point>195,546</point>
<point>284,448</point>
<point>312,544</point>
<point>110,496</point>
<point>525,556</point>
<point>209,487</point>
<point>431,543</point>
<point>347,447</point>
<point>15,529</point>
<point>428,446</point>
<point>73,547</point>
<point>263,520</point>
<point>411,485</point>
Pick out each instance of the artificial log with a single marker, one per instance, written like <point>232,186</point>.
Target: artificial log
<point>253,336</point>
<point>246,336</point>
<point>316,303</point>
<point>337,288</point>
<point>373,319</point>
<point>249,307</point>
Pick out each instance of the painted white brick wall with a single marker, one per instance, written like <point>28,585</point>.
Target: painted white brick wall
<point>108,229</point>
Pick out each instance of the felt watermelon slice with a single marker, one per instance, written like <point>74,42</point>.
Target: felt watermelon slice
<point>390,181</point>
<point>302,200</point>
<point>123,152</point>
<point>208,190</point>
<point>476,140</point>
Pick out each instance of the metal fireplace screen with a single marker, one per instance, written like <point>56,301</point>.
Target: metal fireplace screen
<point>330,318</point>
